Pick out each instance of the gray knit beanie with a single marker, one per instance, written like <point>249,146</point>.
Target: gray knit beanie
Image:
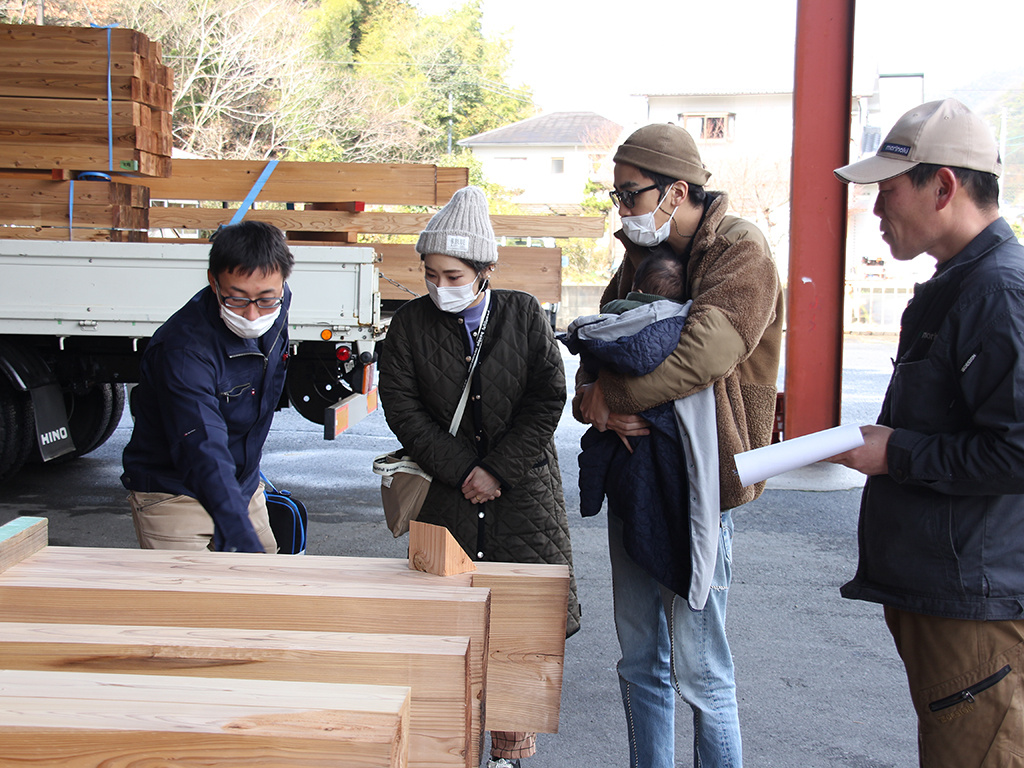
<point>461,229</point>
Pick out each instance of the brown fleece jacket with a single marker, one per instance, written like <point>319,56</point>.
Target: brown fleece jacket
<point>732,340</point>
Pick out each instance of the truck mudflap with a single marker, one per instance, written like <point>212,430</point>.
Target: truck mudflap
<point>51,422</point>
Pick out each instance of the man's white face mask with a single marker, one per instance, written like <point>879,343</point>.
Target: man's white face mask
<point>454,298</point>
<point>248,329</point>
<point>640,229</point>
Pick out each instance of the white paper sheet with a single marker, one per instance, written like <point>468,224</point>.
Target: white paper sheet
<point>762,463</point>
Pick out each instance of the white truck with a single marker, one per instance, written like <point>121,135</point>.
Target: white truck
<point>75,318</point>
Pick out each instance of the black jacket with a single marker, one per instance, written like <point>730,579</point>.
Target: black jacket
<point>517,398</point>
<point>202,412</point>
<point>943,532</point>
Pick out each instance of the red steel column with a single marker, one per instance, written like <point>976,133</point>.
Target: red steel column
<point>817,235</point>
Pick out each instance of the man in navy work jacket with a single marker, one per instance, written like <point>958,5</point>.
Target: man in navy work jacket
<point>942,514</point>
<point>211,378</point>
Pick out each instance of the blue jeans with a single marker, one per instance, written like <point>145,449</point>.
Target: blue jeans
<point>693,657</point>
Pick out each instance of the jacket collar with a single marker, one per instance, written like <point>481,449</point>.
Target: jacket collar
<point>992,236</point>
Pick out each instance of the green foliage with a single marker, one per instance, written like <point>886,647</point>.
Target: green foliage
<point>445,68</point>
<point>596,201</point>
<point>587,262</point>
<point>1018,229</point>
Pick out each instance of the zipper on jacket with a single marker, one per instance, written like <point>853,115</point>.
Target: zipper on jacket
<point>968,694</point>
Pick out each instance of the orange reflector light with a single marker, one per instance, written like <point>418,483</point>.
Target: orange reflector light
<point>326,334</point>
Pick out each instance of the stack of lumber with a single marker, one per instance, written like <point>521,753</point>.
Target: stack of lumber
<point>331,619</point>
<point>41,209</point>
<point>326,203</point>
<point>84,99</point>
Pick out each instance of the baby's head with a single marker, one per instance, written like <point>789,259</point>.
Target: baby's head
<point>661,275</point>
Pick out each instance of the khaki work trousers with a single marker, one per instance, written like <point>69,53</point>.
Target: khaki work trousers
<point>166,521</point>
<point>967,683</point>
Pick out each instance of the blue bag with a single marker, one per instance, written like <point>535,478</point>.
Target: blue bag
<point>288,519</point>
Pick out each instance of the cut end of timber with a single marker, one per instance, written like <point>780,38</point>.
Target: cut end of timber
<point>433,549</point>
<point>21,537</point>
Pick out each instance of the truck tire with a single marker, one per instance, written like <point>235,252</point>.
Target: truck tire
<point>92,417</point>
<point>17,436</point>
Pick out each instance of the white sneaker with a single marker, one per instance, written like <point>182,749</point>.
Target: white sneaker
<point>502,762</point>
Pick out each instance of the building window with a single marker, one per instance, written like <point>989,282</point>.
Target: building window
<point>558,165</point>
<point>711,127</point>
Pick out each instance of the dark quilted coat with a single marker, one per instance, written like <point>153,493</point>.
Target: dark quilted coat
<point>517,397</point>
<point>648,488</point>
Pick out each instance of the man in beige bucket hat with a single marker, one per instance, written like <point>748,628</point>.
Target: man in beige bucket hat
<point>942,514</point>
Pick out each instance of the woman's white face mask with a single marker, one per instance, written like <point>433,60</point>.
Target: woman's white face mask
<point>640,229</point>
<point>455,298</point>
<point>248,329</point>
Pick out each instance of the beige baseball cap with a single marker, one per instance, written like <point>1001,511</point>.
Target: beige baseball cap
<point>940,132</point>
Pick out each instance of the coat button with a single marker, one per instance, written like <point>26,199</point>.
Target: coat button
<point>468,358</point>
<point>480,555</point>
<point>481,515</point>
<point>461,321</point>
<point>478,438</point>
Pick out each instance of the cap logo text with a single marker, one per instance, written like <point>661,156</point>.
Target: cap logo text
<point>459,243</point>
<point>895,149</point>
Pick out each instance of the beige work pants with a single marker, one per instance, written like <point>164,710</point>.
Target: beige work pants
<point>166,521</point>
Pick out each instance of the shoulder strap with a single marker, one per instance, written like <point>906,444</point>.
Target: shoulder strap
<point>453,428</point>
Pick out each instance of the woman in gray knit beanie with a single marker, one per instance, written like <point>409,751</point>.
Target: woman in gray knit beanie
<point>496,483</point>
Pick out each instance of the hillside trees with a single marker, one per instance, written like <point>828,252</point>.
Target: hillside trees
<point>352,80</point>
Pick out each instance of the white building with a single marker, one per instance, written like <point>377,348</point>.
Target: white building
<point>548,159</point>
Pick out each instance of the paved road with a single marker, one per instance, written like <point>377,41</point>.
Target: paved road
<point>819,682</point>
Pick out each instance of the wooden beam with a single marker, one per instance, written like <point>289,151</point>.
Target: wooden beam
<point>21,537</point>
<point>106,215</point>
<point>534,270</point>
<point>80,720</point>
<point>302,182</point>
<point>435,669</point>
<point>433,549</point>
<point>373,222</point>
<point>84,192</point>
<point>86,158</point>
<point>77,234</point>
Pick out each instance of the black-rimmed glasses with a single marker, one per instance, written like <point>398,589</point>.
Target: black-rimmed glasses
<point>237,302</point>
<point>627,197</point>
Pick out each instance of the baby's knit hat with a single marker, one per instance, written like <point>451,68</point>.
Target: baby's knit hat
<point>461,229</point>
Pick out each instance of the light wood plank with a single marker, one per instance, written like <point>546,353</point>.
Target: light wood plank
<point>21,537</point>
<point>433,549</point>
<point>374,222</point>
<point>436,669</point>
<point>309,182</point>
<point>82,720</point>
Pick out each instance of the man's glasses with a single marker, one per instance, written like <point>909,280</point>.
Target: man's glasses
<point>237,302</point>
<point>627,197</point>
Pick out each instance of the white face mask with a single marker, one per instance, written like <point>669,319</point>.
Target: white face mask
<point>248,329</point>
<point>640,229</point>
<point>454,298</point>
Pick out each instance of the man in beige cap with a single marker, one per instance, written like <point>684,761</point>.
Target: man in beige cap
<point>730,342</point>
<point>942,514</point>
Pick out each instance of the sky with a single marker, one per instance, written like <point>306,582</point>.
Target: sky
<point>596,56</point>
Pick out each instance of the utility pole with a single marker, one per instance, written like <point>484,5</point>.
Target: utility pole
<point>39,12</point>
<point>451,119</point>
